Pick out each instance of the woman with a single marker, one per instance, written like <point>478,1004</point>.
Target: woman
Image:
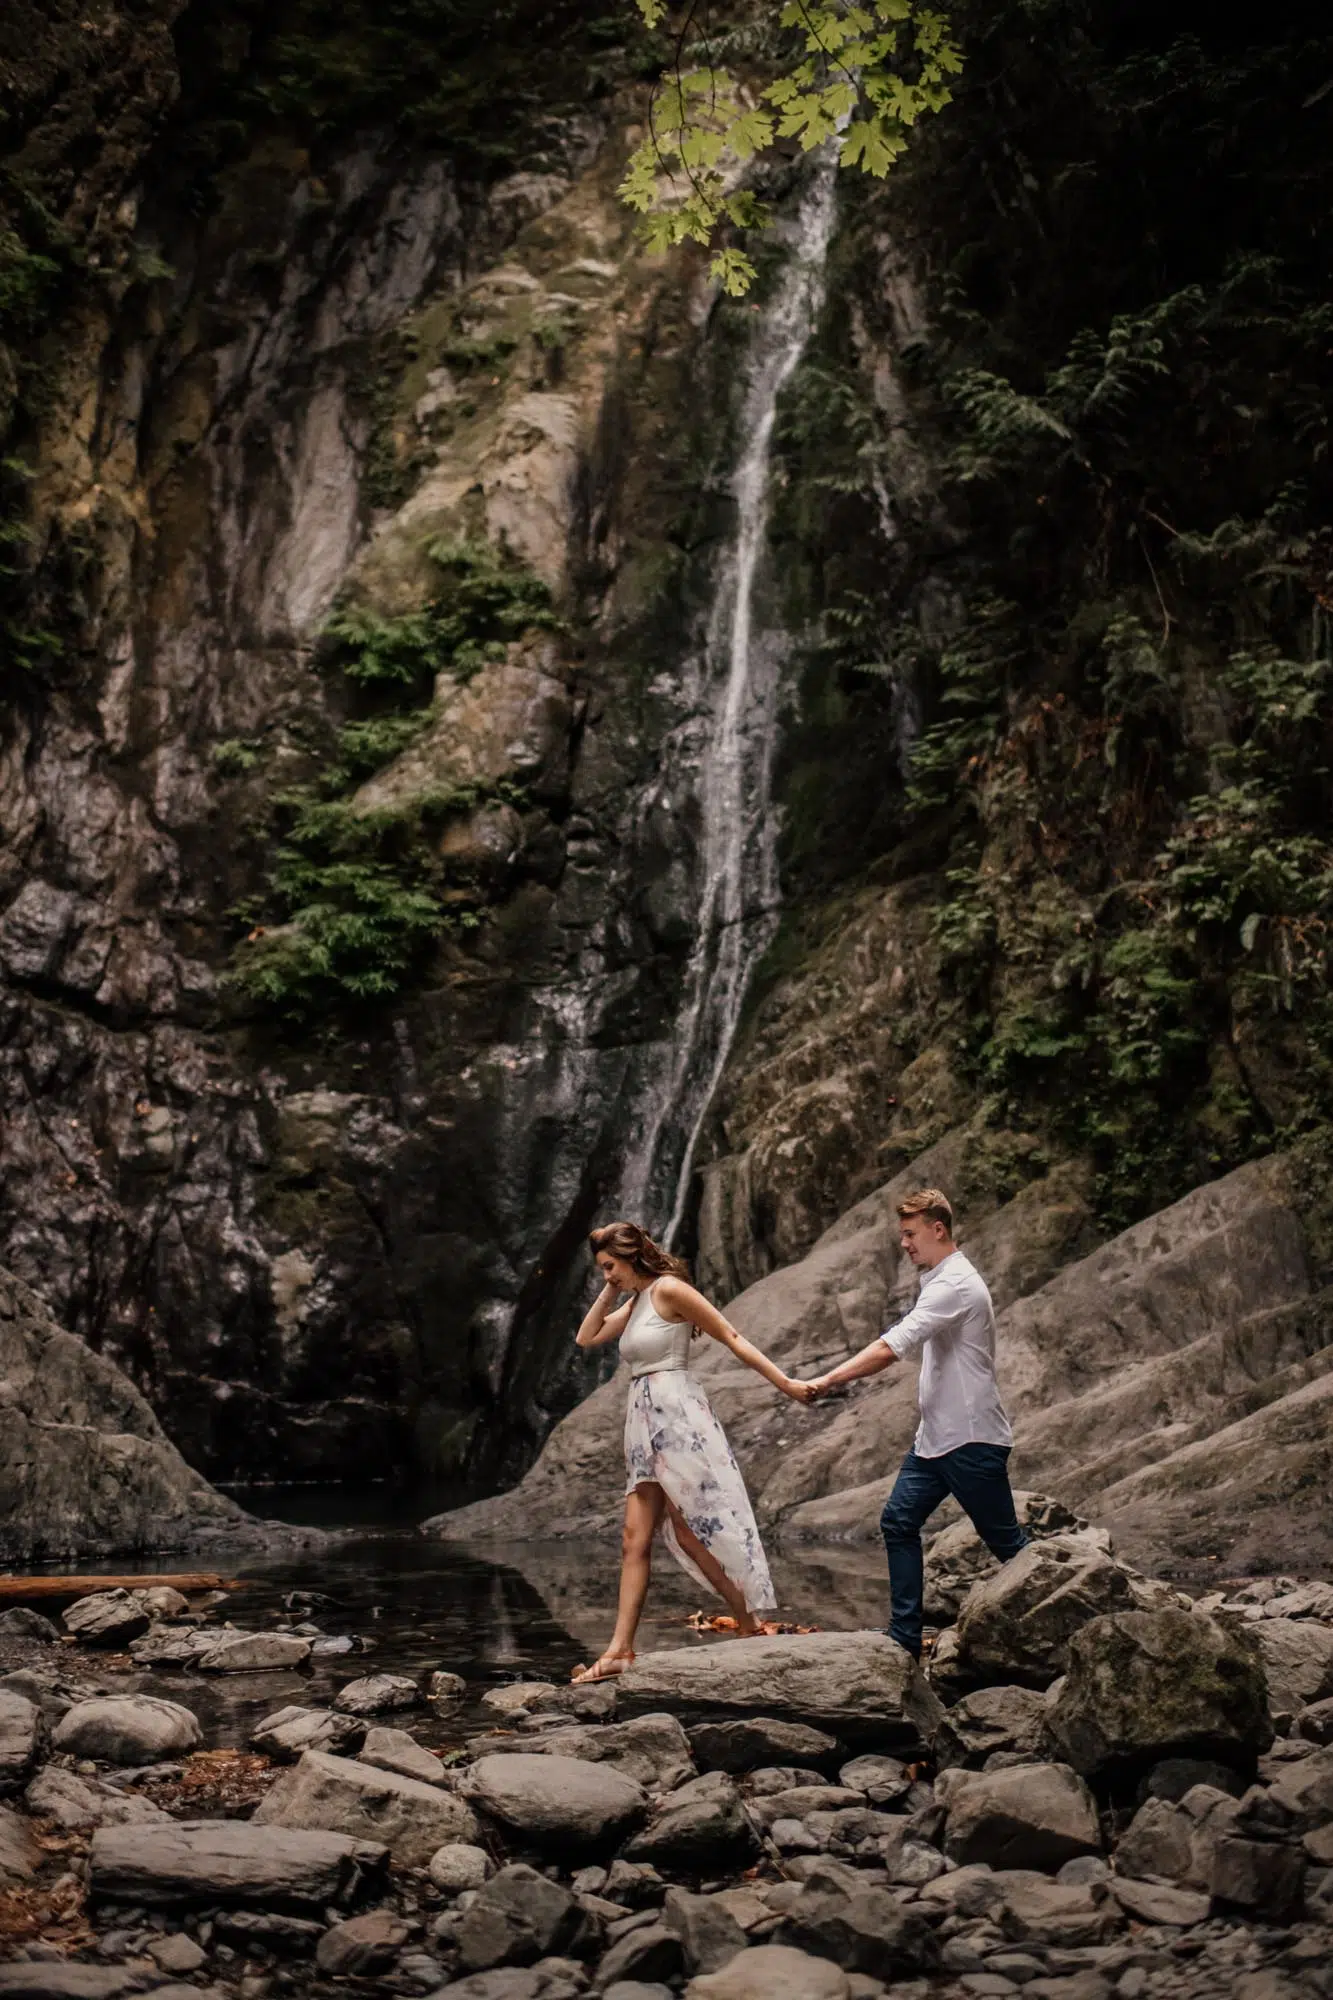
<point>682,1475</point>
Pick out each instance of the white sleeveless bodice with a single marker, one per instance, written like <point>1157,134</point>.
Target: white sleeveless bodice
<point>653,1345</point>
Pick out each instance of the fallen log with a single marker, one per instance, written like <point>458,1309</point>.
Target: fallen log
<point>29,1589</point>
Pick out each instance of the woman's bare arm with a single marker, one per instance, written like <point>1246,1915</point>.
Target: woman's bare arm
<point>600,1324</point>
<point>683,1302</point>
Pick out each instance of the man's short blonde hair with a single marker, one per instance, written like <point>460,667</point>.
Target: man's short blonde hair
<point>933,1203</point>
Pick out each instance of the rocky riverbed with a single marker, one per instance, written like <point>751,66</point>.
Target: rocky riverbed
<point>1098,1787</point>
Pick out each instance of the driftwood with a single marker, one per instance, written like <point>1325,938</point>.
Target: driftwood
<point>26,1589</point>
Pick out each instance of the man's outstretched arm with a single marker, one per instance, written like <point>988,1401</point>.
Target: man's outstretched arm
<point>869,1361</point>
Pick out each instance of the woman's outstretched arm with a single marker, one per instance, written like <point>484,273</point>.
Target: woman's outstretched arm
<point>683,1302</point>
<point>600,1324</point>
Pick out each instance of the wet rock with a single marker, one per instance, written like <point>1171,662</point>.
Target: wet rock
<point>651,1953</point>
<point>1141,1686</point>
<point>444,1686</point>
<point>163,1600</point>
<point>1298,1661</point>
<point>555,1802</point>
<point>868,1931</point>
<point>21,1623</point>
<point>702,1826</point>
<point>377,1694</point>
<point>231,1861</point>
<point>653,1750</point>
<point>398,1750</point>
<point>255,1652</point>
<point>753,1741</point>
<point>362,1946</point>
<point>1032,1816</point>
<point>341,1796</point>
<point>772,1972</point>
<point>458,1866</point>
<point>519,1917</point>
<point>23,1739</point>
<point>1160,1903</point>
<point>18,1850</point>
<point>708,1932</point>
<point>174,1645</point>
<point>106,1618</point>
<point>516,1698</point>
<point>177,1954</point>
<point>1016,1626</point>
<point>881,1780</point>
<point>75,1803</point>
<point>288,1732</point>
<point>127,1729</point>
<point>1011,1719</point>
<point>859,1686</point>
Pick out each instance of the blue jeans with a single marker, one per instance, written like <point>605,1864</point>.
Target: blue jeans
<point>977,1475</point>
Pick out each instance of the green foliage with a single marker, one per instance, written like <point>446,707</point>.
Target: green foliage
<point>26,281</point>
<point>481,601</point>
<point>233,757</point>
<point>858,75</point>
<point>366,746</point>
<point>972,671</point>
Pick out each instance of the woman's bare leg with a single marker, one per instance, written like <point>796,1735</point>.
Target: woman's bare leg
<point>643,1514</point>
<point>748,1624</point>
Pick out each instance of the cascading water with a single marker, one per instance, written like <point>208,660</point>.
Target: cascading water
<point>729,742</point>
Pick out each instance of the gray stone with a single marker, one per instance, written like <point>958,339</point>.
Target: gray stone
<point>559,1803</point>
<point>57,1980</point>
<point>517,1918</point>
<point>516,1697</point>
<point>254,1652</point>
<point>651,1952</point>
<point>288,1732</point>
<point>162,1600</point>
<point>858,1686</point>
<point>1305,1789</point>
<point>702,1826</point>
<point>882,1780</point>
<point>294,1937</point>
<point>958,1558</point>
<point>127,1729</point>
<point>106,1618</point>
<point>377,1694</point>
<point>1141,1686</point>
<point>762,1784</point>
<point>230,1861</point>
<point>1259,1876</point>
<point>177,1953</point>
<point>175,1645</point>
<point>634,1884</point>
<point>342,1796</point>
<point>637,1989</point>
<point>801,1800</point>
<point>75,1803</point>
<point>398,1750</point>
<point>653,1750</point>
<point>444,1686</point>
<point>361,1946</point>
<point>23,1739</point>
<point>19,1852</point>
<point>989,1720</point>
<point>1159,1841</point>
<point>1160,1903</point>
<point>772,1972</point>
<point>753,1741</point>
<point>458,1866</point>
<point>1016,1626</point>
<point>1031,1816</point>
<point>867,1931</point>
<point>1298,1661</point>
<point>1034,1910</point>
<point>1175,1776</point>
<point>21,1623</point>
<point>706,1928</point>
<point>1315,1723</point>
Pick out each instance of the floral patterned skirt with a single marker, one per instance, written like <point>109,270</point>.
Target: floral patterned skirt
<point>674,1440</point>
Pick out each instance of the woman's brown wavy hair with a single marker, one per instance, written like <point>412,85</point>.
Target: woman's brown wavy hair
<point>637,1249</point>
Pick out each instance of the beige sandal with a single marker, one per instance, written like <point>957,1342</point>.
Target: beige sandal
<point>602,1670</point>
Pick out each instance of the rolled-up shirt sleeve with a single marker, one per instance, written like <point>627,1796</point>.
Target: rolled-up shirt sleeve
<point>936,1309</point>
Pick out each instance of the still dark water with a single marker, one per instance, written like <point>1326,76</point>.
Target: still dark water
<point>493,1613</point>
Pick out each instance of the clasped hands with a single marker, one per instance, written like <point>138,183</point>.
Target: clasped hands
<point>805,1392</point>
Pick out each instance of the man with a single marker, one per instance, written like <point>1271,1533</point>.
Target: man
<point>963,1441</point>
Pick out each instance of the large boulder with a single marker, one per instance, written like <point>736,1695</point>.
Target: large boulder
<point>109,1618</point>
<point>518,1917</point>
<point>288,1732</point>
<point>378,1694</point>
<point>339,1796</point>
<point>700,1827</point>
<point>1029,1816</point>
<point>1298,1661</point>
<point>756,1740</point>
<point>990,1721</point>
<point>398,1750</point>
<point>958,1558</point>
<point>858,1686</point>
<point>23,1736</point>
<point>1144,1685</point>
<point>127,1729</point>
<point>653,1750</point>
<point>85,1467</point>
<point>868,1931</point>
<point>19,1852</point>
<point>231,1861</point>
<point>254,1652</point>
<point>74,1804</point>
<point>1016,1625</point>
<point>772,1972</point>
<point>561,1804</point>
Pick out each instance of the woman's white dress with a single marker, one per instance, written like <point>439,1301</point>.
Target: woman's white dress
<point>673,1439</point>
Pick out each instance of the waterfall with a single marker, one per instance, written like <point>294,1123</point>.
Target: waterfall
<point>731,742</point>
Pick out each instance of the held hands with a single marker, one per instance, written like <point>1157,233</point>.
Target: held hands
<point>803,1392</point>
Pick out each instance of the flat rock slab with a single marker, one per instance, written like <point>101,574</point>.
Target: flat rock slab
<point>653,1750</point>
<point>288,1732</point>
<point>231,1861</point>
<point>127,1729</point>
<point>754,1741</point>
<point>388,1749</point>
<point>255,1652</point>
<point>52,1980</point>
<point>377,1694</point>
<point>772,1972</point>
<point>859,1686</point>
<point>340,1796</point>
<point>19,1853</point>
<point>107,1618</point>
<point>1161,1903</point>
<point>22,1738</point>
<point>1029,1816</point>
<point>75,1804</point>
<point>560,1803</point>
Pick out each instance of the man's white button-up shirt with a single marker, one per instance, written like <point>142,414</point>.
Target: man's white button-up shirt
<point>953,1325</point>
